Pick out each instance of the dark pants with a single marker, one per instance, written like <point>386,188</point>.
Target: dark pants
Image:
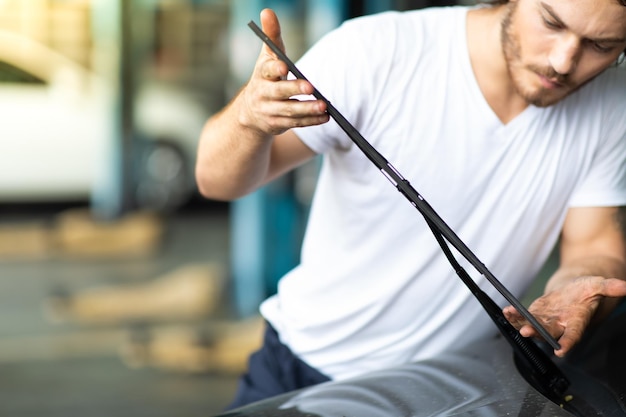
<point>273,370</point>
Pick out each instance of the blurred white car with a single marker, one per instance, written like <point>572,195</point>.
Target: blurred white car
<point>54,126</point>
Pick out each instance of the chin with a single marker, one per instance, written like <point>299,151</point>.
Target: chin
<point>544,100</point>
<point>542,97</point>
<point>538,95</point>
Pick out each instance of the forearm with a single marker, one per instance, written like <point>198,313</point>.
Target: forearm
<point>232,158</point>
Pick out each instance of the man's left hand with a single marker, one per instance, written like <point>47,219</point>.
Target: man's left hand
<point>567,311</point>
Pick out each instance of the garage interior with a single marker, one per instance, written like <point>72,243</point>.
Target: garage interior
<point>136,298</point>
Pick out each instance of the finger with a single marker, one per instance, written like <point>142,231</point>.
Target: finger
<point>277,93</point>
<point>524,327</point>
<point>510,311</point>
<point>572,334</point>
<point>291,88</point>
<point>613,287</point>
<point>528,331</point>
<point>273,69</point>
<point>271,27</point>
<point>280,123</point>
<point>291,122</point>
<point>513,316</point>
<point>294,109</point>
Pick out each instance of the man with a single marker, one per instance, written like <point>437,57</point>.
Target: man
<point>508,119</point>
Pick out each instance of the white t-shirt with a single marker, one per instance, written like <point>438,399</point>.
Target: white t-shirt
<point>373,289</point>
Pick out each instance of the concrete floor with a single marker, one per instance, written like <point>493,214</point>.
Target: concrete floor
<point>51,369</point>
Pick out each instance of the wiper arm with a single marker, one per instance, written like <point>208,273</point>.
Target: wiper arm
<point>537,366</point>
<point>545,373</point>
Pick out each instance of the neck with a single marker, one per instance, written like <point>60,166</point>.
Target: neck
<point>489,64</point>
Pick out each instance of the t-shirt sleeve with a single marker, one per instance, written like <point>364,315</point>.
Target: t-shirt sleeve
<point>605,184</point>
<point>344,70</point>
<point>332,66</point>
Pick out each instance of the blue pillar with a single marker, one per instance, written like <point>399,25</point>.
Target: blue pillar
<point>107,195</point>
<point>247,263</point>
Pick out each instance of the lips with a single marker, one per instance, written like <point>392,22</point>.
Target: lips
<point>549,83</point>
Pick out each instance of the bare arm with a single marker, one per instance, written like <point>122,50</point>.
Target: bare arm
<point>592,243</point>
<point>250,142</point>
<point>590,280</point>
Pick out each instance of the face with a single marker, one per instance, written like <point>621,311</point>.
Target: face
<point>552,47</point>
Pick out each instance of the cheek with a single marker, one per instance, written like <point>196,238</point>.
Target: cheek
<point>534,46</point>
<point>536,51</point>
<point>590,66</point>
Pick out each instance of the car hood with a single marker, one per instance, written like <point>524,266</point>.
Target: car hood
<point>483,379</point>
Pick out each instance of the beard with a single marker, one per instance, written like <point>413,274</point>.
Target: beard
<point>519,72</point>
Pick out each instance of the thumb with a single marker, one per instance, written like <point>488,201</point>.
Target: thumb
<point>613,287</point>
<point>271,27</point>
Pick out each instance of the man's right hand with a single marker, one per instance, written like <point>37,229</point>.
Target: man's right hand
<point>267,104</point>
<point>249,142</point>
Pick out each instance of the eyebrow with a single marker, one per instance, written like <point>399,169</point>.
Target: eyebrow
<point>558,20</point>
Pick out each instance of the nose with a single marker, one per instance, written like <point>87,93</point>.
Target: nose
<point>565,54</point>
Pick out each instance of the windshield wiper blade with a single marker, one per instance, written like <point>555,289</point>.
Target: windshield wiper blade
<point>535,364</point>
<point>543,371</point>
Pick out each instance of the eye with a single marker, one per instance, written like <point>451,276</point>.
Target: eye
<point>551,24</point>
<point>599,47</point>
<point>603,49</point>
